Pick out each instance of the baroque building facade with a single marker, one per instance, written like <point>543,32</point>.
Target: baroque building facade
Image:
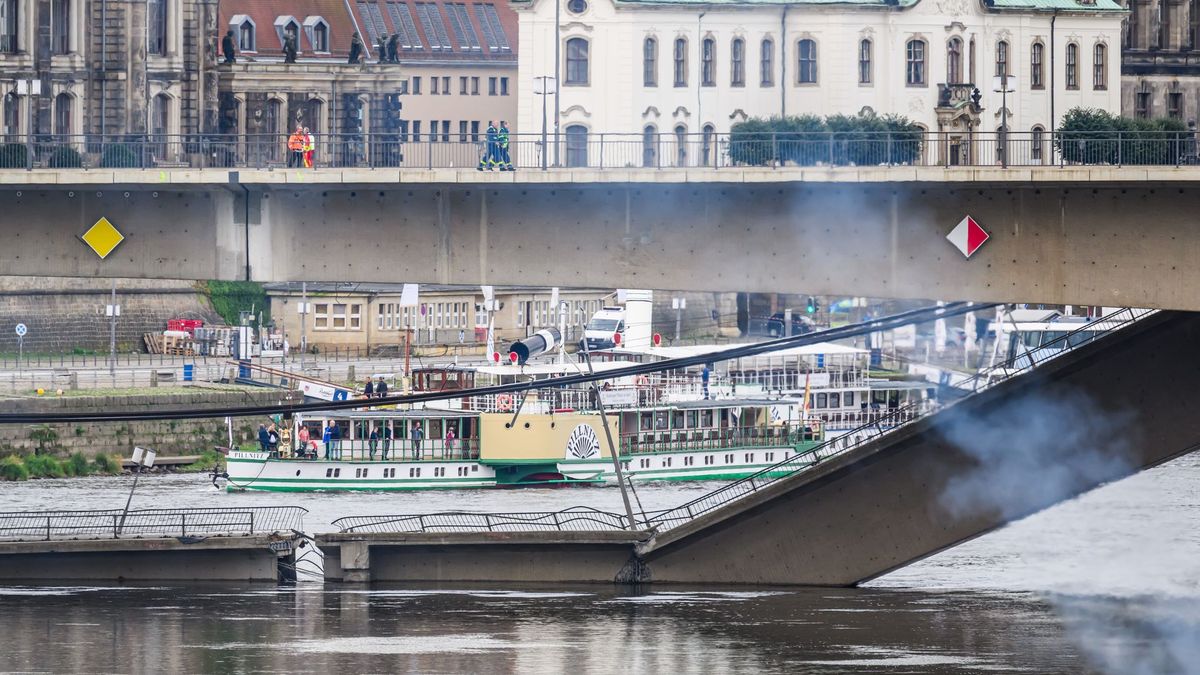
<point>156,67</point>
<point>671,68</point>
<point>1161,60</point>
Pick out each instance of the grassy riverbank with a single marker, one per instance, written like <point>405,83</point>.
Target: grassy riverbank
<point>25,467</point>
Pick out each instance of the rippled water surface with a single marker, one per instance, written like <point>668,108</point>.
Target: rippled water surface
<point>1107,583</point>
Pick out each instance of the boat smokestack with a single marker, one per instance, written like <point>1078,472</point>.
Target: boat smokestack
<point>535,345</point>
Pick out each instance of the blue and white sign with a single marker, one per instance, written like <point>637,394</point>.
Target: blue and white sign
<point>21,330</point>
<point>323,392</point>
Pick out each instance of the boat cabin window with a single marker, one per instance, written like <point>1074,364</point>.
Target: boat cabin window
<point>706,418</point>
<point>693,419</point>
<point>822,401</point>
<point>677,419</point>
<point>661,420</point>
<point>835,400</point>
<point>647,421</point>
<point>849,399</point>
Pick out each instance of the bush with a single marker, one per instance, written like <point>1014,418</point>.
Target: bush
<point>14,156</point>
<point>64,158</point>
<point>119,157</point>
<point>77,465</point>
<point>44,466</point>
<point>1093,136</point>
<point>12,468</point>
<point>806,140</point>
<point>106,464</point>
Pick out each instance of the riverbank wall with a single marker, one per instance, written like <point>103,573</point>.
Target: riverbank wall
<point>167,437</point>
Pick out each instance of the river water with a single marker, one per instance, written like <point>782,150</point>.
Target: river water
<point>1106,583</point>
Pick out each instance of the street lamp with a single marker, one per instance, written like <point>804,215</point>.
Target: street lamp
<point>543,85</point>
<point>1003,84</point>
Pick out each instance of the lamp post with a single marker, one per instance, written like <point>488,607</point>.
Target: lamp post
<point>543,85</point>
<point>557,67</point>
<point>1002,84</point>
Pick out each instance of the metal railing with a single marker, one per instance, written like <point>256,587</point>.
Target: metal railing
<point>606,150</point>
<point>107,524</point>
<point>718,439</point>
<point>884,424</point>
<point>576,518</point>
<point>398,449</point>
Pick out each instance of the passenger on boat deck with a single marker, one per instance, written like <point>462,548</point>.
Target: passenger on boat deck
<point>302,436</point>
<point>417,435</point>
<point>369,390</point>
<point>327,440</point>
<point>387,440</point>
<point>272,441</point>
<point>381,388</point>
<point>337,441</point>
<point>449,441</point>
<point>264,439</point>
<point>373,442</point>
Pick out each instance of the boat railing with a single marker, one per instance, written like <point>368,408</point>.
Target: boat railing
<point>686,440</point>
<point>856,418</point>
<point>116,523</point>
<point>866,433</point>
<point>365,450</point>
<point>576,518</point>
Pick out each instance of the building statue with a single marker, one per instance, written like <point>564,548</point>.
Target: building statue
<point>227,48</point>
<point>356,49</point>
<point>381,47</point>
<point>393,46</point>
<point>289,48</point>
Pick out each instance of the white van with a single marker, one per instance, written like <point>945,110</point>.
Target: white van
<point>603,325</point>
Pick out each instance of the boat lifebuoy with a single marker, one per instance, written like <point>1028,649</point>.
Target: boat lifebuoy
<point>503,402</point>
<point>641,381</point>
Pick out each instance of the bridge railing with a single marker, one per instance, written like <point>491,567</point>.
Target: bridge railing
<point>602,150</point>
<point>109,524</point>
<point>576,518</point>
<point>1020,363</point>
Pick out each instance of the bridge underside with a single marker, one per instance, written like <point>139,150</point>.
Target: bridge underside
<point>1050,242</point>
<point>1096,414</point>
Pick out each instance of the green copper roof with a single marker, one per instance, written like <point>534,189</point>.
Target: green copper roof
<point>1061,5</point>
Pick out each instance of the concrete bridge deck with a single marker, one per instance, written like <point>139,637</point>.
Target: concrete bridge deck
<point>1096,414</point>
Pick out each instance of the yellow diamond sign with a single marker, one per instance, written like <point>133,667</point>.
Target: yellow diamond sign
<point>103,238</point>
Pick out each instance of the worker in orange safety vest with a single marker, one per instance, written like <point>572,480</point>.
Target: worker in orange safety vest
<point>296,148</point>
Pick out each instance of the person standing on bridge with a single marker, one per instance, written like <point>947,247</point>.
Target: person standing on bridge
<point>310,147</point>
<point>381,389</point>
<point>369,389</point>
<point>295,146</point>
<point>490,151</point>
<point>502,156</point>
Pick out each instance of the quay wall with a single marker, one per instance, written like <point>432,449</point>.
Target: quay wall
<point>167,437</point>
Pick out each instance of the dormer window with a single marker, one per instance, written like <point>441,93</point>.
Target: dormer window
<point>244,28</point>
<point>317,30</point>
<point>285,26</point>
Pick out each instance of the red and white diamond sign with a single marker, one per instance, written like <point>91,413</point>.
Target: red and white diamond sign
<point>968,236</point>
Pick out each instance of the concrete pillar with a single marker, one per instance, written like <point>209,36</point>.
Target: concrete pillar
<point>356,562</point>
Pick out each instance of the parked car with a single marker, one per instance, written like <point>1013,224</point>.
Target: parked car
<point>773,326</point>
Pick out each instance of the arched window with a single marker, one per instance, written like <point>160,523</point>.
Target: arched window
<point>766,63</point>
<point>156,23</point>
<point>312,114</point>
<point>246,37</point>
<point>806,51</point>
<point>577,61</point>
<point>706,149</point>
<point>708,62</point>
<point>1037,68</point>
<point>1072,66</point>
<point>320,37</point>
<point>1100,67</point>
<point>12,117</point>
<point>649,146</point>
<point>62,115</point>
<point>737,63</point>
<point>8,26</point>
<point>1036,139</point>
<point>577,145</point>
<point>954,55</point>
<point>1002,58</point>
<point>680,145</point>
<point>650,62</point>
<point>681,66</point>
<point>914,59</point>
<point>160,125</point>
<point>864,62</point>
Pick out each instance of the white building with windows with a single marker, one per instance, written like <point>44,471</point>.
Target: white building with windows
<point>665,68</point>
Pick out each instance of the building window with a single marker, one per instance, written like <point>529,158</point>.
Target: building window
<point>492,86</point>
<point>445,131</point>
<point>1037,54</point>
<point>416,85</point>
<point>1072,66</point>
<point>12,117</point>
<point>60,25</point>
<point>864,62</point>
<point>1194,28</point>
<point>433,86</point>
<point>1175,105</point>
<point>1131,26</point>
<point>504,86</point>
<point>62,114</point>
<point>954,55</point>
<point>1001,58</point>
<point>1035,144</point>
<point>737,63</point>
<point>156,23</point>
<point>1164,24</point>
<point>577,61</point>
<point>577,6</point>
<point>1141,105</point>
<point>320,37</point>
<point>462,131</point>
<point>321,316</point>
<point>708,66</point>
<point>462,85</point>
<point>766,63</point>
<point>1099,67</point>
<point>577,145</point>
<point>706,148</point>
<point>681,68</point>
<point>649,146</point>
<point>680,145</point>
<point>474,86</point>
<point>914,71</point>
<point>650,62</point>
<point>806,73</point>
<point>8,26</point>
